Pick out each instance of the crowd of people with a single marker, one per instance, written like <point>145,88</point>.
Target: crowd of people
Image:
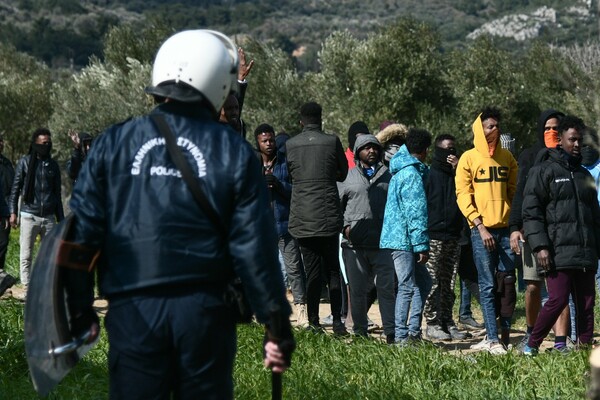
<point>407,229</point>
<point>370,223</point>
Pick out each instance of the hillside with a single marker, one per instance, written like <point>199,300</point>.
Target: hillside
<point>67,32</point>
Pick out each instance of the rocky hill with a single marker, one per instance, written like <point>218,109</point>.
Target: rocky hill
<point>68,32</point>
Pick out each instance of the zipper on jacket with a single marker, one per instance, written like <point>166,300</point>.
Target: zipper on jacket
<point>579,221</point>
<point>42,192</point>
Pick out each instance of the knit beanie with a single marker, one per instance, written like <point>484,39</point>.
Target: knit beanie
<point>356,128</point>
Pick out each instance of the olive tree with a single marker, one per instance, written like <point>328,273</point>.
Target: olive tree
<point>25,99</point>
<point>484,75</point>
<point>394,74</point>
<point>275,89</point>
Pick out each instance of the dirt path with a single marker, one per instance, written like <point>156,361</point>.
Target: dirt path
<point>454,346</point>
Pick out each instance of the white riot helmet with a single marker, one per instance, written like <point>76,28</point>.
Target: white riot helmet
<point>195,65</point>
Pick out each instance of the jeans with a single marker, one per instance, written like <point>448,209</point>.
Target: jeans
<point>468,289</point>
<point>488,264</point>
<point>368,268</point>
<point>289,249</point>
<point>414,284</point>
<point>573,317</point>
<point>286,283</point>
<point>31,226</point>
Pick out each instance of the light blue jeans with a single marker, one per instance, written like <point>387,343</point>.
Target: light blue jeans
<point>31,227</point>
<point>488,263</point>
<point>414,284</point>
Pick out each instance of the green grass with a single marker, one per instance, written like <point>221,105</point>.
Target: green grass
<point>327,368</point>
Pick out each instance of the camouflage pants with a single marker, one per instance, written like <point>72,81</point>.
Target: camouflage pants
<point>442,267</point>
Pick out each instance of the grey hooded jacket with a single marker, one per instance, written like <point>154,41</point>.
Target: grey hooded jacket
<point>363,200</point>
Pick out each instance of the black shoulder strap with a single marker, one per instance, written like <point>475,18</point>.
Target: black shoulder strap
<point>187,173</point>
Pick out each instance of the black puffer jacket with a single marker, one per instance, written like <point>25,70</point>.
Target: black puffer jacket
<point>47,199</point>
<point>561,212</point>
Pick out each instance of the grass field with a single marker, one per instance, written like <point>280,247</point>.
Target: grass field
<point>327,368</point>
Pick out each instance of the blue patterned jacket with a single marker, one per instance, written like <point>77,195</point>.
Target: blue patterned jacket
<point>405,219</point>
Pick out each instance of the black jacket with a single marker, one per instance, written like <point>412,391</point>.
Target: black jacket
<point>316,161</point>
<point>444,217</point>
<point>561,212</point>
<point>526,161</point>
<point>131,203</point>
<point>7,177</point>
<point>47,193</point>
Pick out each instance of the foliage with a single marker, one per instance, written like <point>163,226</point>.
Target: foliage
<point>275,92</point>
<point>580,71</point>
<point>99,96</point>
<point>483,75</point>
<point>134,41</point>
<point>59,31</point>
<point>399,73</point>
<point>25,98</point>
<point>389,75</point>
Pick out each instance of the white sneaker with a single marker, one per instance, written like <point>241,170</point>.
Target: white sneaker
<point>497,349</point>
<point>301,316</point>
<point>483,345</point>
<point>494,348</point>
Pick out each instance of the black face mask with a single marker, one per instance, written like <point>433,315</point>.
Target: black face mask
<point>440,157</point>
<point>589,156</point>
<point>43,150</point>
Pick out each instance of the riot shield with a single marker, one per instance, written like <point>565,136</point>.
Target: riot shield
<point>51,351</point>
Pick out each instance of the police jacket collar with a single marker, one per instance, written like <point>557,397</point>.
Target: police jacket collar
<point>191,110</point>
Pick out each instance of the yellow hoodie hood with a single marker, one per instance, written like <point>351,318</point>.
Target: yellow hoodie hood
<point>485,184</point>
<point>479,139</point>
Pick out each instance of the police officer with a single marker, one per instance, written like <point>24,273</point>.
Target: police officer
<point>164,266</point>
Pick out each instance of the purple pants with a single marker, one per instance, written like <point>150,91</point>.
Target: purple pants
<point>560,284</point>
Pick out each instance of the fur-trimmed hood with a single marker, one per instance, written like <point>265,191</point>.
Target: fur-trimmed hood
<point>391,132</point>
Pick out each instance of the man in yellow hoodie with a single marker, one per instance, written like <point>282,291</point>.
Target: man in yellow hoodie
<point>486,179</point>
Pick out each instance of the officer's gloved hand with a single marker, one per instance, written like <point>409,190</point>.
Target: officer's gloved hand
<point>84,321</point>
<point>279,346</point>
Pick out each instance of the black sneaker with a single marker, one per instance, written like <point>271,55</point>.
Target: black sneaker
<point>470,323</point>
<point>435,332</point>
<point>390,339</point>
<point>417,340</point>
<point>316,329</point>
<point>456,334</point>
<point>339,329</point>
<point>6,282</point>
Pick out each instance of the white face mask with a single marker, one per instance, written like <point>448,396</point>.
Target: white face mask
<point>390,150</point>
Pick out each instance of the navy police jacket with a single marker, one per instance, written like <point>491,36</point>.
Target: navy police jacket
<point>131,202</point>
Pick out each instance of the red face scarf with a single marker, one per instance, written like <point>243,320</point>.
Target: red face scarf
<point>551,138</point>
<point>492,140</point>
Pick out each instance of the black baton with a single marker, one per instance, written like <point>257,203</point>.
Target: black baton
<point>275,336</point>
